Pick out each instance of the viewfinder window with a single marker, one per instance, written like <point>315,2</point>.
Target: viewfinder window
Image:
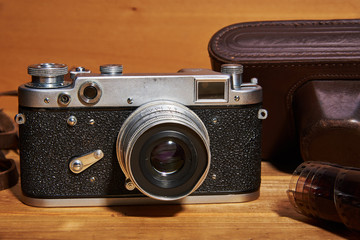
<point>211,90</point>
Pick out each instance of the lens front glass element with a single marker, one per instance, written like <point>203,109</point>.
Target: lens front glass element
<point>163,148</point>
<point>167,157</point>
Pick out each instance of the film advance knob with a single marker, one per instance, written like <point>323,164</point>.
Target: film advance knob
<point>47,75</point>
<point>111,69</point>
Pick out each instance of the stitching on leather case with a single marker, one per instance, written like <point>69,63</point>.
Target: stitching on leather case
<point>285,23</point>
<point>287,65</point>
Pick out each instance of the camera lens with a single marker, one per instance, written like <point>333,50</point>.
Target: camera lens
<point>163,148</point>
<point>167,157</point>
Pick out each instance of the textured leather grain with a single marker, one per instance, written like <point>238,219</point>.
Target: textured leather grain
<point>47,144</point>
<point>292,41</point>
<point>285,56</point>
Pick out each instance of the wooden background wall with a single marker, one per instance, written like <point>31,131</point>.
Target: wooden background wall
<point>144,35</point>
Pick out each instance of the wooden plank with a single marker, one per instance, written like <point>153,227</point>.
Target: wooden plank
<point>270,216</point>
<point>146,36</point>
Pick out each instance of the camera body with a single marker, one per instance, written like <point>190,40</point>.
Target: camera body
<point>112,138</point>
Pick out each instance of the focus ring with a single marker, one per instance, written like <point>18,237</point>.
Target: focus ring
<point>154,119</point>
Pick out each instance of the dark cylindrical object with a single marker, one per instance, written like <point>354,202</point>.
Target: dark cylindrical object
<point>327,191</point>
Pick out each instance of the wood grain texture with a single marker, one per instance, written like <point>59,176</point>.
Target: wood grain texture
<point>269,217</point>
<point>147,36</point>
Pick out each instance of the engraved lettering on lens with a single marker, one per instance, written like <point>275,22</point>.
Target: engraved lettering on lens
<point>167,157</point>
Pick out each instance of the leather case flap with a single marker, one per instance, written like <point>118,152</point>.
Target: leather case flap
<point>284,56</point>
<point>293,41</point>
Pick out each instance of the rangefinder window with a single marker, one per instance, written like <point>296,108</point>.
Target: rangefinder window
<point>207,90</point>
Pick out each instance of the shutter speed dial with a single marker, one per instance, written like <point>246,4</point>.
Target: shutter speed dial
<point>48,75</point>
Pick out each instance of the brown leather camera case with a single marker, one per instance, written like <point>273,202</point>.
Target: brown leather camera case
<point>310,74</point>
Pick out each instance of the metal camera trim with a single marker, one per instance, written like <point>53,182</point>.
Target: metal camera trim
<point>128,90</point>
<point>114,201</point>
<point>151,115</point>
<point>86,100</point>
<point>61,99</point>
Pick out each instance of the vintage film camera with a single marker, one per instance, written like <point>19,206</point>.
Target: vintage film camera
<point>111,138</point>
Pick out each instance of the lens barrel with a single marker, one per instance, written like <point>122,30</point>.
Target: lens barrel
<point>163,148</point>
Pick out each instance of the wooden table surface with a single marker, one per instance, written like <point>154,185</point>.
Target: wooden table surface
<point>269,217</point>
<point>147,36</point>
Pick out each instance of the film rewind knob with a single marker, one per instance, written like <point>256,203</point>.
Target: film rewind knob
<point>236,71</point>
